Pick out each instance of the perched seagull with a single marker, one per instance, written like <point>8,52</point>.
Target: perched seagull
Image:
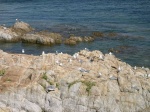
<point>61,53</point>
<point>23,51</point>
<point>74,56</point>
<point>99,75</point>
<point>135,68</point>
<point>110,53</point>
<point>50,88</point>
<point>43,53</point>
<point>148,75</point>
<point>86,49</point>
<point>17,20</point>
<point>81,61</point>
<point>56,52</point>
<point>113,77</point>
<point>60,64</point>
<point>142,66</point>
<point>119,68</point>
<point>101,57</point>
<point>83,70</point>
<point>70,60</point>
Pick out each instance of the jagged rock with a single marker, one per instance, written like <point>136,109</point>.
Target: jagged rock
<point>42,38</point>
<point>73,40</point>
<point>24,79</point>
<point>7,35</point>
<point>21,28</point>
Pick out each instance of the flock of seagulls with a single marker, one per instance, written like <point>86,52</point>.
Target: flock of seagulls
<point>75,56</point>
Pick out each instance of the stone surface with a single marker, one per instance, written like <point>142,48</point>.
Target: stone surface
<point>24,79</point>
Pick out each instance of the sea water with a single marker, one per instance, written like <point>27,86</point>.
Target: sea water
<point>128,18</point>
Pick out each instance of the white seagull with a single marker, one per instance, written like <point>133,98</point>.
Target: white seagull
<point>119,68</point>
<point>99,75</point>
<point>43,53</point>
<point>56,52</point>
<point>110,53</point>
<point>135,68</point>
<point>23,51</point>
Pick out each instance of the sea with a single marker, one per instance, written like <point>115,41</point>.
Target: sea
<point>129,19</point>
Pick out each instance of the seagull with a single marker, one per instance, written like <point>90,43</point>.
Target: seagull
<point>74,56</point>
<point>86,49</point>
<point>110,53</point>
<point>113,77</point>
<point>56,52</point>
<point>99,75</point>
<point>43,53</point>
<point>17,20</point>
<point>61,53</point>
<point>142,66</point>
<point>23,51</point>
<point>101,57</point>
<point>83,70</point>
<point>81,61</point>
<point>135,68</point>
<point>60,64</point>
<point>70,60</point>
<point>50,88</point>
<point>119,69</point>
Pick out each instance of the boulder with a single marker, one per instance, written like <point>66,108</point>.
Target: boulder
<point>42,38</point>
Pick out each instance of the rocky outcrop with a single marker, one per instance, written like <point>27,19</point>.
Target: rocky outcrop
<point>14,33</point>
<point>88,81</point>
<point>7,35</point>
<point>73,40</point>
<point>21,28</point>
<point>43,37</point>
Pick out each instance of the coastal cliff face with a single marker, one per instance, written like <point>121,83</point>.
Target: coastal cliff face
<point>88,81</point>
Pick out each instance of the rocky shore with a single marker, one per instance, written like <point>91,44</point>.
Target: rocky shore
<point>23,32</point>
<point>88,81</point>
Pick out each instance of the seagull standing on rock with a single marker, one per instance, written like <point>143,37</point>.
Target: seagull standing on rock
<point>43,53</point>
<point>23,51</point>
<point>110,53</point>
<point>99,75</point>
<point>86,49</point>
<point>101,57</point>
<point>56,52</point>
<point>17,20</point>
<point>70,60</point>
<point>119,68</point>
<point>135,68</point>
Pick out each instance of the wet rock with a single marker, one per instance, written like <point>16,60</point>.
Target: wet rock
<point>7,35</point>
<point>70,42</point>
<point>88,39</point>
<point>98,34</point>
<point>21,28</point>
<point>73,40</point>
<point>44,38</point>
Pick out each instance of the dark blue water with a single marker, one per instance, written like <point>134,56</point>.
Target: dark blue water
<point>128,18</point>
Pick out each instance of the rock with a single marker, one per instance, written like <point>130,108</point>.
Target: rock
<point>7,35</point>
<point>25,79</point>
<point>70,42</point>
<point>21,28</point>
<point>43,38</point>
<point>73,40</point>
<point>88,39</point>
<point>97,34</point>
